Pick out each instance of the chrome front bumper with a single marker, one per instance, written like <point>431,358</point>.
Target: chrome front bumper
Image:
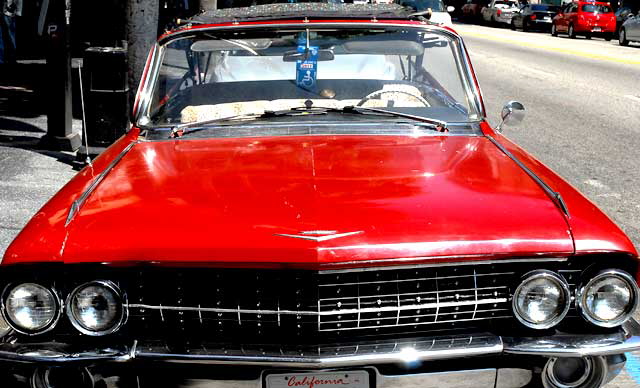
<point>407,356</point>
<point>336,356</point>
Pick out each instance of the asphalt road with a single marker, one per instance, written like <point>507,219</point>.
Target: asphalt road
<point>582,100</point>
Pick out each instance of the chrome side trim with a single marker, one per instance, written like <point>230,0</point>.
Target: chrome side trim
<point>77,204</point>
<point>554,195</point>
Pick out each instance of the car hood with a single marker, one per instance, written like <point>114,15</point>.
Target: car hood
<point>314,200</point>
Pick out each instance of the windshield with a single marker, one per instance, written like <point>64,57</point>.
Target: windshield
<point>596,8</point>
<point>220,74</point>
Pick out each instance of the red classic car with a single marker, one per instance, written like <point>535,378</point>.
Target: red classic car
<point>586,18</point>
<point>311,196</point>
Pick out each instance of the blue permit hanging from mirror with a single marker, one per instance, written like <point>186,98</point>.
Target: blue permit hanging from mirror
<point>307,67</point>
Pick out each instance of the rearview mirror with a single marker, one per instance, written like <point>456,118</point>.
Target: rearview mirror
<point>293,55</point>
<point>512,114</point>
<point>451,8</point>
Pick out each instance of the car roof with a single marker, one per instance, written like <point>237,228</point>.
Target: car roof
<point>290,13</point>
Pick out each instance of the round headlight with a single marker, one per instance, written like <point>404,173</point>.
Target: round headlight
<point>96,308</point>
<point>541,300</point>
<point>30,308</point>
<point>608,299</point>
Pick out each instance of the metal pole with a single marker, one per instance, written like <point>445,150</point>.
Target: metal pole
<point>142,31</point>
<point>60,134</point>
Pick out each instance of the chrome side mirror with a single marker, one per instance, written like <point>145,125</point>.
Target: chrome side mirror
<point>512,114</point>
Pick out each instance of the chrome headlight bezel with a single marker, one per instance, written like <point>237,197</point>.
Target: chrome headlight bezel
<point>118,322</point>
<point>582,293</point>
<point>58,304</point>
<point>5,327</point>
<point>563,286</point>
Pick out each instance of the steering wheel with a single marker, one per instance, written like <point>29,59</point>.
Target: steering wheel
<point>380,92</point>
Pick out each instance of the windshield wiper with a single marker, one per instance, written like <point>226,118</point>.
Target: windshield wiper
<point>183,129</point>
<point>439,125</point>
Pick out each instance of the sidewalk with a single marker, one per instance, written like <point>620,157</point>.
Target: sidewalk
<point>29,176</point>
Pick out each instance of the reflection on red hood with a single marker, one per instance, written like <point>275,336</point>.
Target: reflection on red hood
<point>231,200</point>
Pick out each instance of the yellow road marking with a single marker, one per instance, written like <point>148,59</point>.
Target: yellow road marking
<point>579,53</point>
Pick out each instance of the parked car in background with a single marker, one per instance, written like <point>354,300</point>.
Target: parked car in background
<point>630,30</point>
<point>622,14</point>
<point>534,17</point>
<point>499,12</point>
<point>471,11</point>
<point>585,18</point>
<point>439,12</point>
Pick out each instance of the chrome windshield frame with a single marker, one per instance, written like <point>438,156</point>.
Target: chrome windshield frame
<point>142,118</point>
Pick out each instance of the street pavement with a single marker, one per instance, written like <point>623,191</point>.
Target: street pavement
<point>582,100</point>
<point>583,120</point>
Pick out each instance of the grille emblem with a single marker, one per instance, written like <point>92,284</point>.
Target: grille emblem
<point>318,235</point>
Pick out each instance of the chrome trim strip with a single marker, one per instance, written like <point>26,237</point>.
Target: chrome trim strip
<point>77,204</point>
<point>321,313</point>
<point>428,265</point>
<point>554,195</point>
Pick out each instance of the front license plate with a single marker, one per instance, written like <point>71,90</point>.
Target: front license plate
<point>597,29</point>
<point>350,379</point>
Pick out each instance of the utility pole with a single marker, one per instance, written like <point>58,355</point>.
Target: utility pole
<point>60,134</point>
<point>142,32</point>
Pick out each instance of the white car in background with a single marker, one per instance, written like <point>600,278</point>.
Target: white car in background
<point>439,12</point>
<point>499,11</point>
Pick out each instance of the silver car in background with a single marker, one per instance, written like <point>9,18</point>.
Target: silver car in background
<point>630,30</point>
<point>499,11</point>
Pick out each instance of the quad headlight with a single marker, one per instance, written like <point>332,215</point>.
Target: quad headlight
<point>96,308</point>
<point>541,300</point>
<point>30,308</point>
<point>609,298</point>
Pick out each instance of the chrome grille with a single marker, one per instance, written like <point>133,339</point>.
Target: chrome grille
<point>410,297</point>
<point>293,305</point>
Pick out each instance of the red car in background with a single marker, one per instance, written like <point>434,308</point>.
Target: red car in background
<point>585,18</point>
